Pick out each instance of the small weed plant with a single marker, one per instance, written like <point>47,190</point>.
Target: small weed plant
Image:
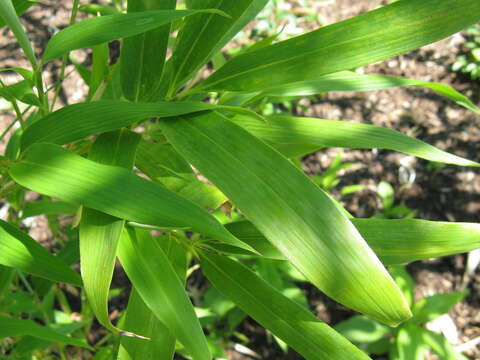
<point>125,164</point>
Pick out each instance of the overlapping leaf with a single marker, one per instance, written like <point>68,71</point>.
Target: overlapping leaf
<point>97,30</point>
<point>143,260</point>
<point>351,81</point>
<point>99,232</point>
<point>408,239</point>
<point>286,319</point>
<point>139,319</point>
<point>293,213</point>
<point>289,131</point>
<point>51,170</point>
<point>19,327</point>
<point>377,35</point>
<point>202,36</point>
<point>77,121</point>
<point>142,56</point>
<point>20,251</point>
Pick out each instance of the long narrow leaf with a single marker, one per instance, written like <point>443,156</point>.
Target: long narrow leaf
<point>143,56</point>
<point>20,7</point>
<point>9,17</point>
<point>161,289</point>
<point>101,29</point>
<point>54,171</point>
<point>408,239</point>
<point>286,319</point>
<point>20,251</point>
<point>203,35</point>
<point>293,213</point>
<point>20,327</point>
<point>289,130</point>
<point>100,232</point>
<point>377,35</point>
<point>139,319</point>
<point>78,121</point>
<point>351,81</point>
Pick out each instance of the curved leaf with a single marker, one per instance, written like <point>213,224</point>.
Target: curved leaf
<point>139,319</point>
<point>351,81</point>
<point>20,327</point>
<point>289,130</point>
<point>144,260</point>
<point>293,213</point>
<point>78,121</point>
<point>203,35</point>
<point>408,239</point>
<point>54,171</point>
<point>143,56</point>
<point>286,319</point>
<point>20,251</point>
<point>376,35</point>
<point>99,232</point>
<point>97,30</point>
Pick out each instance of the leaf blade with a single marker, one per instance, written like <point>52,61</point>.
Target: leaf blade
<point>370,37</point>
<point>143,259</point>
<point>289,130</point>
<point>285,205</point>
<point>51,170</point>
<point>291,322</point>
<point>20,251</point>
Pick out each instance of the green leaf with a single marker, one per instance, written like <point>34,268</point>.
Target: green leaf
<point>292,212</point>
<point>351,81</point>
<point>204,35</point>
<point>440,345</point>
<point>99,232</point>
<point>431,307</point>
<point>20,327</point>
<point>412,239</point>
<point>22,91</point>
<point>51,170</point>
<point>143,56</point>
<point>9,16</point>
<point>362,330</point>
<point>376,35</point>
<point>160,160</point>
<point>48,207</point>
<point>20,251</point>
<point>409,343</point>
<point>97,30</point>
<point>286,319</point>
<point>143,260</point>
<point>404,281</point>
<point>289,130</point>
<point>139,319</point>
<point>20,7</point>
<point>408,239</point>
<point>78,121</point>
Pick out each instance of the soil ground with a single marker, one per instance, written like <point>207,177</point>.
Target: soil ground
<point>449,194</point>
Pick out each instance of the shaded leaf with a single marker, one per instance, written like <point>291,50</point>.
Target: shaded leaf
<point>20,251</point>
<point>54,171</point>
<point>376,35</point>
<point>286,319</point>
<point>292,212</point>
<point>143,259</point>
<point>97,30</point>
<point>290,130</point>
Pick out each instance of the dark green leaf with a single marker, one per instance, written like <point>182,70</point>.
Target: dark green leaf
<point>377,35</point>
<point>51,170</point>
<point>284,318</point>
<point>20,251</point>
<point>291,211</point>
